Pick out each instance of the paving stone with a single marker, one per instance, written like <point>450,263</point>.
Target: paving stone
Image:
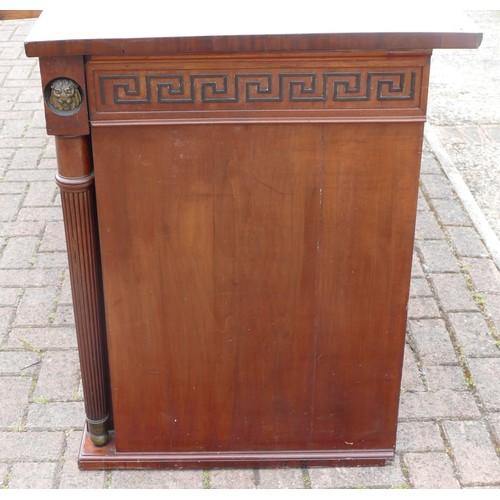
<point>429,164</point>
<point>232,478</point>
<point>445,377</point>
<point>416,268</point>
<point>42,338</point>
<point>443,403</point>
<point>437,256</point>
<point>59,375</point>
<point>71,476</point>
<point>9,206</point>
<point>357,477</point>
<point>66,297</point>
<point>14,398</point>
<point>64,316</point>
<point>36,306</point>
<point>495,420</point>
<point>430,470</point>
<point>18,362</point>
<point>12,188</point>
<point>467,242</point>
<point>453,292</point>
<point>493,308</point>
<point>158,479</point>
<point>411,380</point>
<point>40,194</point>
<point>473,334</point>
<point>53,238</point>
<point>427,227</point>
<point>473,451</point>
<point>437,186</point>
<point>423,307</point>
<point>19,228</point>
<point>281,478</point>
<point>5,317</point>
<point>433,341</point>
<point>30,277</point>
<point>484,274</point>
<point>32,475</point>
<point>25,158</point>
<point>485,372</point>
<point>419,436</point>
<point>451,213</point>
<point>27,446</point>
<point>9,296</point>
<point>51,259</point>
<point>56,416</point>
<point>40,213</point>
<point>420,288</point>
<point>19,252</point>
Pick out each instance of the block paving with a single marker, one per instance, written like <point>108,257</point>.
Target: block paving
<point>449,421</point>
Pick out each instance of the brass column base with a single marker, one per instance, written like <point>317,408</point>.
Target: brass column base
<point>98,431</point>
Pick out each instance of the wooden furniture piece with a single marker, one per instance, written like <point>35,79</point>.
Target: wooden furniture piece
<point>239,202</point>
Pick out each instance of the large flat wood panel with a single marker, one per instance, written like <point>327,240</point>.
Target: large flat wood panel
<point>255,281</point>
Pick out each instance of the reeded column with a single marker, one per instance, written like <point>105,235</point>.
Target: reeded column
<point>75,179</point>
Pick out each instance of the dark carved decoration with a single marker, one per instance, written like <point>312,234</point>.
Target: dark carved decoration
<point>63,95</point>
<point>285,87</point>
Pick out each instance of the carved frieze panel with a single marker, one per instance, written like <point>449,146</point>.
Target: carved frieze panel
<point>275,89</point>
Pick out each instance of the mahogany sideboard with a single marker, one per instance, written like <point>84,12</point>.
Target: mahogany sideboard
<point>239,200</point>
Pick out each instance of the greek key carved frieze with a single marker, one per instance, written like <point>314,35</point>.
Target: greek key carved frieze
<point>285,89</point>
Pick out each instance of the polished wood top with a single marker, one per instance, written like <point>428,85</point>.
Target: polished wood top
<point>225,27</point>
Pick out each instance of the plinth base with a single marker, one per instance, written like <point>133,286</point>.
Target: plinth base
<point>106,457</point>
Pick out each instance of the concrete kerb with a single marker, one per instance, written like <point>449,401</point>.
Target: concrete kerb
<point>470,205</point>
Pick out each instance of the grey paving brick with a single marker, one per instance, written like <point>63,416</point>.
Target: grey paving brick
<point>493,308</point>
<point>32,475</point>
<point>445,377</point>
<point>53,238</point>
<point>40,194</point>
<point>437,186</point>
<point>36,306</point>
<point>495,420</point>
<point>485,376</point>
<point>443,403</point>
<point>451,213</point>
<point>433,341</point>
<point>9,206</point>
<point>420,288</point>
<point>5,319</point>
<point>158,479</point>
<point>438,257</point>
<point>27,446</point>
<point>467,242</point>
<point>71,476</point>
<point>18,362</point>
<point>281,478</point>
<point>30,277</point>
<point>9,296</point>
<point>58,377</point>
<point>25,175</point>
<point>25,158</point>
<point>42,338</point>
<point>429,164</point>
<point>416,268</point>
<point>419,436</point>
<point>473,334</point>
<point>423,307</point>
<point>18,228</point>
<point>55,416</point>
<point>45,260</point>
<point>66,297</point>
<point>232,478</point>
<point>40,213</point>
<point>353,477</point>
<point>14,397</point>
<point>453,292</point>
<point>430,470</point>
<point>427,227</point>
<point>473,451</point>
<point>411,380</point>
<point>19,252</point>
<point>484,274</point>
<point>12,188</point>
<point>64,316</point>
